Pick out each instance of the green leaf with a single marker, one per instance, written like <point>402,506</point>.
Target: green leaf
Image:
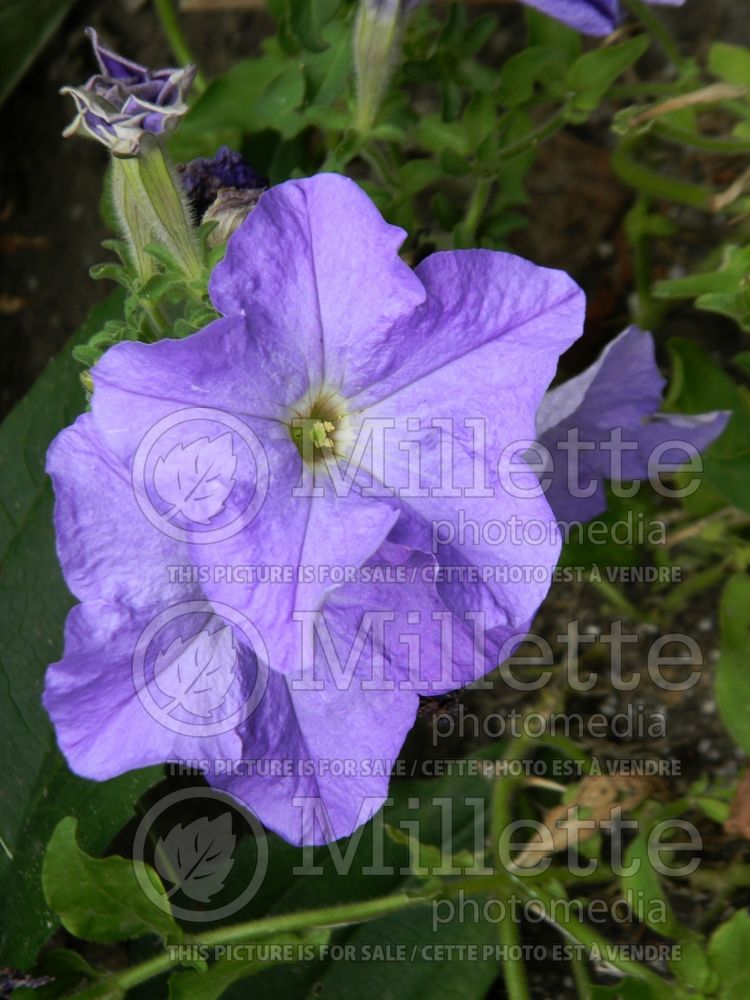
<point>725,291</point>
<point>446,812</point>
<point>36,788</point>
<point>699,386</point>
<point>212,983</point>
<point>255,95</point>
<point>648,896</point>
<point>416,174</point>
<point>691,965</point>
<point>730,63</point>
<point>308,18</point>
<point>545,30</point>
<point>436,135</point>
<point>523,71</point>
<point>727,955</point>
<point>101,899</point>
<point>591,76</point>
<point>435,961</point>
<point>480,119</point>
<point>477,35</point>
<point>732,674</point>
<point>25,27</point>
<point>327,72</point>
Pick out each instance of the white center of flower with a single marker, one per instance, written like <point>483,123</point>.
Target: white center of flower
<point>319,425</point>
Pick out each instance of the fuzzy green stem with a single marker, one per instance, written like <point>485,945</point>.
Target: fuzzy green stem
<point>509,935</point>
<point>657,30</point>
<point>170,24</point>
<point>345,914</point>
<point>618,600</point>
<point>580,972</point>
<point>533,139</point>
<point>711,143</point>
<point>331,916</point>
<point>576,931</point>
<point>649,182</point>
<point>637,231</point>
<point>467,231</point>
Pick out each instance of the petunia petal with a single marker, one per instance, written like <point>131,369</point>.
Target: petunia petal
<point>616,397</point>
<point>107,548</point>
<point>317,267</point>
<point>338,739</point>
<point>103,727</point>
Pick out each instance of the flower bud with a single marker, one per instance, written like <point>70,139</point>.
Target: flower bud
<point>230,209</point>
<point>203,178</point>
<point>125,100</point>
<point>376,34</point>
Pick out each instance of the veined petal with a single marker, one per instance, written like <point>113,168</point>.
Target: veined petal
<point>318,268</point>
<point>614,402</point>
<point>339,738</point>
<point>301,551</point>
<point>107,549</point>
<point>104,727</point>
<point>592,17</point>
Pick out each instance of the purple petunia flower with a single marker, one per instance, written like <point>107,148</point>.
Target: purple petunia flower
<point>278,527</point>
<point>592,17</point>
<point>125,100</point>
<point>609,410</point>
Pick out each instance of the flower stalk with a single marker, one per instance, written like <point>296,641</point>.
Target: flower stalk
<point>151,207</point>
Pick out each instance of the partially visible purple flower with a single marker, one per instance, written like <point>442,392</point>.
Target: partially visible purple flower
<point>323,324</point>
<point>618,396</point>
<point>203,178</point>
<point>591,17</point>
<point>125,100</point>
<point>328,341</point>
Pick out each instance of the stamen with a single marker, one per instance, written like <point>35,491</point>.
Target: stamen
<point>319,433</point>
<point>319,426</point>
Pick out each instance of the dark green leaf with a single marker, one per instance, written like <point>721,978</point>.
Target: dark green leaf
<point>591,76</point>
<point>418,959</point>
<point>730,63</point>
<point>256,94</point>
<point>101,899</point>
<point>211,984</point>
<point>727,955</point>
<point>25,27</point>
<point>308,18</point>
<point>36,788</point>
<point>698,386</point>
